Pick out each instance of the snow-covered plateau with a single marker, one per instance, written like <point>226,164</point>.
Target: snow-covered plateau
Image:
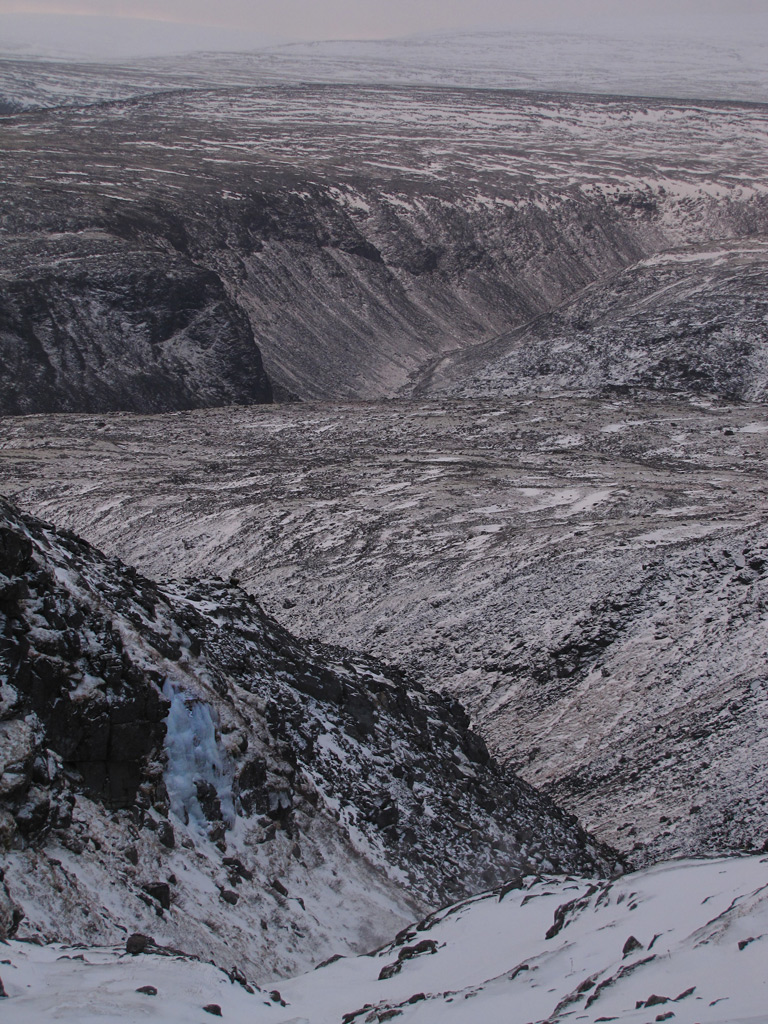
<point>158,249</point>
<point>628,65</point>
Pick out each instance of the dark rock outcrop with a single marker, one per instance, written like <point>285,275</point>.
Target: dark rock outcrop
<point>64,663</point>
<point>90,323</point>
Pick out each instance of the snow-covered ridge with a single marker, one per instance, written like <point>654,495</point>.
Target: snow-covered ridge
<point>683,941</point>
<point>563,62</point>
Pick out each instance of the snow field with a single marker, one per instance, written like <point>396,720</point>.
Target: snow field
<point>556,949</point>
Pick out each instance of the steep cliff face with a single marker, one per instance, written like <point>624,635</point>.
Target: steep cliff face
<point>363,232</point>
<point>90,323</point>
<point>353,290</point>
<point>173,762</point>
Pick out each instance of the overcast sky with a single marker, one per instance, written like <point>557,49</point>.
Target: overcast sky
<point>285,20</point>
<point>303,19</point>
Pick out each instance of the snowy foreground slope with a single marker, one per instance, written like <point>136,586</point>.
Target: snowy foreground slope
<point>683,941</point>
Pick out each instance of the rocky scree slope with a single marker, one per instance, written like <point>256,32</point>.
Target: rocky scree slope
<point>665,673</point>
<point>362,231</point>
<point>690,321</point>
<point>176,764</point>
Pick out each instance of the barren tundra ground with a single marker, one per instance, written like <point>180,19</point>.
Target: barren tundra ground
<point>157,248</point>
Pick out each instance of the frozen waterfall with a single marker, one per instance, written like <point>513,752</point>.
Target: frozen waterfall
<point>194,756</point>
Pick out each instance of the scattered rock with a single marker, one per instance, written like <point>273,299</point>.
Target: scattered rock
<point>138,943</point>
<point>407,953</point>
<point>347,1018</point>
<point>166,835</point>
<point>208,799</point>
<point>217,834</point>
<point>329,961</point>
<point>237,870</point>
<point>390,970</point>
<point>15,552</point>
<point>11,915</point>
<point>147,990</point>
<point>213,1008</point>
<point>33,814</point>
<point>161,892</point>
<point>656,1001</point>
<point>515,881</point>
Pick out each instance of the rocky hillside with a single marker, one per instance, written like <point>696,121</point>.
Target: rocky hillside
<point>174,763</point>
<point>691,321</point>
<point>567,568</point>
<point>362,232</point>
<point>91,323</point>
